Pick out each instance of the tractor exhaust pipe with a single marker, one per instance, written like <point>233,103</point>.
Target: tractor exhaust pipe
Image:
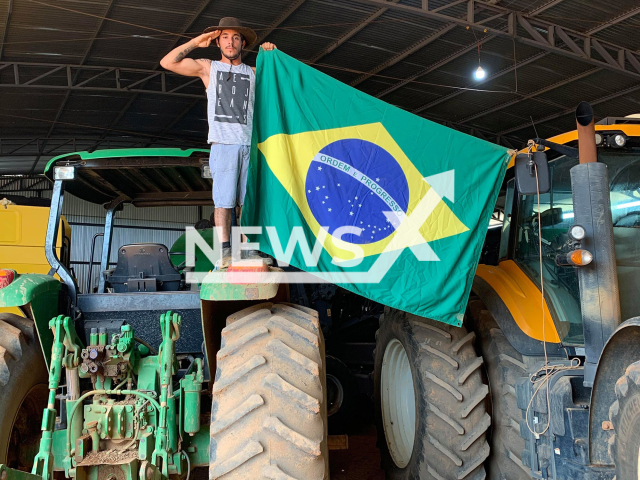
<point>599,298</point>
<point>586,133</point>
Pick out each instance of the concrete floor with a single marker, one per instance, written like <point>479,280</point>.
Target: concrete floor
<point>361,461</point>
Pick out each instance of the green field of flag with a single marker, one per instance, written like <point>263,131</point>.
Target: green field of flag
<point>401,204</point>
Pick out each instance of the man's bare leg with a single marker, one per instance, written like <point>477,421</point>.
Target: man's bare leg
<point>238,214</point>
<point>222,217</point>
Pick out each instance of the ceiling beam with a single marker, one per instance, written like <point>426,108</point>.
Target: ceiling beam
<point>569,111</point>
<point>501,106</point>
<point>6,27</point>
<point>349,34</point>
<point>201,8</point>
<point>281,19</point>
<point>180,116</point>
<point>615,20</point>
<point>435,66</point>
<point>63,104</point>
<point>114,75</point>
<point>529,96</point>
<point>541,34</point>
<point>544,7</point>
<point>404,54</point>
<point>499,74</point>
<point>445,60</point>
<point>421,43</point>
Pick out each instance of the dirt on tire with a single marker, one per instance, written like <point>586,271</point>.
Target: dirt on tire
<point>268,415</point>
<point>503,365</point>
<point>451,422</point>
<point>624,415</point>
<point>23,388</point>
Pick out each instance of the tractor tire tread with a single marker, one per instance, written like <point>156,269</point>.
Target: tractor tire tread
<point>268,415</point>
<point>503,365</point>
<point>454,446</point>
<point>22,368</point>
<point>624,415</point>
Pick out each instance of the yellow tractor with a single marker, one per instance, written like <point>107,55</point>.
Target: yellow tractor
<point>22,237</point>
<point>543,380</point>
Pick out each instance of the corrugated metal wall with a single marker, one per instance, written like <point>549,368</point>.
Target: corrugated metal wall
<point>131,225</point>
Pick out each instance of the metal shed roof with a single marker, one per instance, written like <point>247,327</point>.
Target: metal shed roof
<point>79,75</point>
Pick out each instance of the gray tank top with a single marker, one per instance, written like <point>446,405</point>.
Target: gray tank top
<point>230,103</point>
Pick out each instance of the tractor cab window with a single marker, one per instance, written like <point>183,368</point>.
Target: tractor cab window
<point>556,216</point>
<point>624,181</point>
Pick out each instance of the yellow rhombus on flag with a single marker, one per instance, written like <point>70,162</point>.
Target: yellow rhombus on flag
<point>290,157</point>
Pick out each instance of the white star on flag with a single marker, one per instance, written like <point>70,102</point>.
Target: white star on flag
<point>329,209</point>
<point>350,213</point>
<point>377,179</point>
<point>319,168</point>
<point>326,197</point>
<point>308,191</point>
<point>338,184</point>
<point>356,198</point>
<point>317,188</point>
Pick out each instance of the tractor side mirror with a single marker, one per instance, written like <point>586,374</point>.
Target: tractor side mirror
<point>526,167</point>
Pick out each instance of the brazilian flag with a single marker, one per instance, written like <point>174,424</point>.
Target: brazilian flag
<point>398,206</point>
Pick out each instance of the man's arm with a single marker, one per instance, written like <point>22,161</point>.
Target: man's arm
<point>175,60</point>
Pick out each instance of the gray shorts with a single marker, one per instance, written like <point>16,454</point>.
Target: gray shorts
<point>229,166</point>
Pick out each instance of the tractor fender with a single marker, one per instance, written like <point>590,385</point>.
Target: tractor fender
<point>523,343</point>
<point>621,350</point>
<point>38,298</point>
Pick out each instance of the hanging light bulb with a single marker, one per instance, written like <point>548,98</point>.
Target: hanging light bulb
<point>479,73</point>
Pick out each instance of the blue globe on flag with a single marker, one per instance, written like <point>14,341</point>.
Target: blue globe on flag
<point>352,182</point>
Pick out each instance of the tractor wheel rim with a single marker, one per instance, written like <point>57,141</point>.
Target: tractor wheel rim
<point>335,395</point>
<point>398,403</point>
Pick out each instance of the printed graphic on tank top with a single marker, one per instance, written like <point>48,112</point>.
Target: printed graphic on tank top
<point>233,97</point>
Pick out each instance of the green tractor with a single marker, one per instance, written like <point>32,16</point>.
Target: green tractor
<point>121,373</point>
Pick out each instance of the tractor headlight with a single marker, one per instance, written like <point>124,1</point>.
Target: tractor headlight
<point>64,173</point>
<point>619,140</point>
<point>598,139</point>
<point>577,233</point>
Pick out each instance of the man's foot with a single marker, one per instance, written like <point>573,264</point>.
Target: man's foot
<point>225,261</point>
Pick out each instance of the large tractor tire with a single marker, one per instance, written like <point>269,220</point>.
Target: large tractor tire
<point>503,365</point>
<point>23,391</point>
<point>269,413</point>
<point>430,400</point>
<point>624,414</point>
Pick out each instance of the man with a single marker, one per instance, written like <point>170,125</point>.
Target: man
<point>230,88</point>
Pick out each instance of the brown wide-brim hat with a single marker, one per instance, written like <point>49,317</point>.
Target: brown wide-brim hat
<point>231,23</point>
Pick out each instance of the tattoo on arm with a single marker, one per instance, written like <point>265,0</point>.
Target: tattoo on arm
<point>184,53</point>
